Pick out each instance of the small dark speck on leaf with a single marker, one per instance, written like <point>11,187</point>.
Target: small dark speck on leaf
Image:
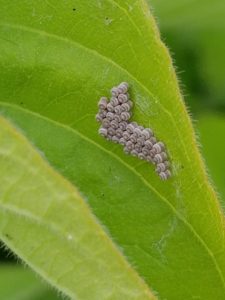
<point>8,236</point>
<point>102,194</point>
<point>74,9</point>
<point>108,21</point>
<point>21,103</point>
<point>182,167</point>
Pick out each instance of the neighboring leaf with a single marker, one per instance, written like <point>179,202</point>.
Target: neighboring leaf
<point>57,59</point>
<point>50,227</point>
<point>212,129</point>
<point>20,284</point>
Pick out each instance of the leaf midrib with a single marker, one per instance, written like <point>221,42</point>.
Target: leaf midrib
<point>136,173</point>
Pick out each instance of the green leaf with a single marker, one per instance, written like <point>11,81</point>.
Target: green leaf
<point>50,226</point>
<point>20,284</point>
<point>55,64</point>
<point>211,128</point>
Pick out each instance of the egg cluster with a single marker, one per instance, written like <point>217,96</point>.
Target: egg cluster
<point>114,116</point>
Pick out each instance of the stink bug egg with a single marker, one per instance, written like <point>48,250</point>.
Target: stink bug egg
<point>138,131</point>
<point>145,151</point>
<point>102,104</point>
<point>117,118</point>
<point>137,148</point>
<point>130,128</point>
<point>133,138</point>
<point>123,125</point>
<point>114,101</point>
<point>130,145</point>
<point>125,107</point>
<point>141,141</point>
<point>119,133</point>
<point>118,109</point>
<point>158,147</point>
<point>161,167</point>
<point>125,116</point>
<point>103,132</point>
<point>123,87</point>
<point>98,118</point>
<point>147,133</point>
<point>105,123</point>
<point>126,135</point>
<point>110,116</point>
<point>111,131</point>
<point>122,141</point>
<point>159,158</point>
<point>165,175</point>
<point>148,144</point>
<point>114,92</point>
<point>123,98</point>
<point>110,107</point>
<point>114,124</point>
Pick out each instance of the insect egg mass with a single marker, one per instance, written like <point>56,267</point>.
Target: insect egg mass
<point>114,115</point>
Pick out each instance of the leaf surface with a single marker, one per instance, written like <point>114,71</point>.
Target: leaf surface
<point>56,60</point>
<point>51,227</point>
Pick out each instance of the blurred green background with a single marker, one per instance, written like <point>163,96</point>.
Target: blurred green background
<point>194,31</point>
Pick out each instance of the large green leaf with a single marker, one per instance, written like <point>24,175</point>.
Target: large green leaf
<point>57,59</point>
<point>51,227</point>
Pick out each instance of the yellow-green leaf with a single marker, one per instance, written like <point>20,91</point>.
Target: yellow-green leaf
<point>45,221</point>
